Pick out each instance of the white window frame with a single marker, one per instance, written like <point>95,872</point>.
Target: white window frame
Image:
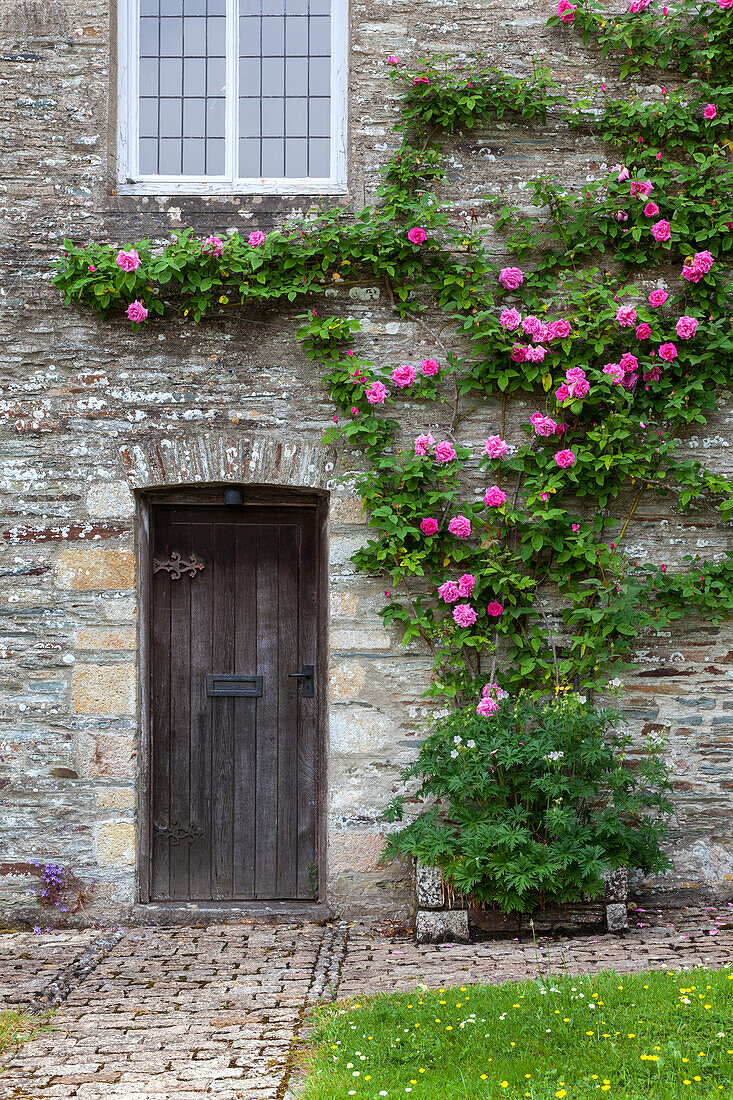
<point>131,182</point>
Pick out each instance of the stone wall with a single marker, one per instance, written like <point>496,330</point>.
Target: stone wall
<point>86,403</point>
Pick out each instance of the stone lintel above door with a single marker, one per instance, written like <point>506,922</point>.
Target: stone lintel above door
<point>215,457</point>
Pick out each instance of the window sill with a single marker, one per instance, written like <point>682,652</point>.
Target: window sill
<point>237,188</point>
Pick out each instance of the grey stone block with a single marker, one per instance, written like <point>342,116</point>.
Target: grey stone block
<point>617,885</point>
<point>442,926</point>
<point>430,890</point>
<point>617,918</point>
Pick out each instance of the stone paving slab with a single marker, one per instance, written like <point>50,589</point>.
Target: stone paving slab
<point>192,1012</point>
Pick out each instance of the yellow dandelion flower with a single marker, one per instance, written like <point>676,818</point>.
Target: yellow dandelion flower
<point>505,1084</point>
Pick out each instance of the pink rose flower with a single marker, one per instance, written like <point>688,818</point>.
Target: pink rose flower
<point>653,374</point>
<point>543,425</point>
<point>535,355</point>
<point>494,609</point>
<point>651,210</point>
<point>128,261</point>
<point>626,316</point>
<point>564,459</point>
<point>466,585</point>
<point>449,592</point>
<point>636,6</point>
<point>566,11</point>
<point>460,526</point>
<point>559,330</point>
<point>214,246</point>
<point>429,367</point>
<point>519,353</point>
<point>444,452</point>
<point>623,172</point>
<point>658,298</point>
<point>725,5</point>
<point>668,352</point>
<point>615,372</point>
<point>562,393</point>
<point>510,319</point>
<point>417,235</point>
<point>661,231</point>
<point>393,60</point>
<point>137,312</point>
<point>643,331</point>
<point>628,362</point>
<point>403,376</point>
<point>686,327</point>
<point>703,261</point>
<point>576,527</point>
<point>464,614</point>
<point>494,497</point>
<point>376,393</point>
<point>429,526</point>
<point>91,267</point>
<point>531,325</point>
<point>495,447</point>
<point>421,80</point>
<point>256,238</point>
<point>641,189</point>
<point>630,381</point>
<point>621,216</point>
<point>511,277</point>
<point>710,111</point>
<point>423,444</point>
<point>487,706</point>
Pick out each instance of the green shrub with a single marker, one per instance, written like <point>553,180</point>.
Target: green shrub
<point>532,804</point>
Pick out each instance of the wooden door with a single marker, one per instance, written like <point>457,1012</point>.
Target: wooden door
<point>233,759</point>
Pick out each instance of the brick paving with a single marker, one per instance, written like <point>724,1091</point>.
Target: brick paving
<point>192,1012</point>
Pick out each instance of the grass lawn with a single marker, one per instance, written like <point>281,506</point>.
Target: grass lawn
<point>659,1034</point>
<point>18,1027</point>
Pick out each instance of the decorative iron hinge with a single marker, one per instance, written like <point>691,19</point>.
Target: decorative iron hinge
<point>176,566</point>
<point>176,833</point>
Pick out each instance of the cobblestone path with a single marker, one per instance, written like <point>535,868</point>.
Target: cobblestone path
<point>192,1012</point>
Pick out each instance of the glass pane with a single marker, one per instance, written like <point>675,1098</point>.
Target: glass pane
<point>296,157</point>
<point>319,150</point>
<point>273,117</point>
<point>273,76</point>
<point>320,36</point>
<point>170,157</point>
<point>215,156</point>
<point>194,156</point>
<point>296,75</point>
<point>149,156</point>
<point>249,76</point>
<point>273,36</point>
<point>194,113</point>
<point>319,82</point>
<point>296,35</point>
<point>194,76</point>
<point>320,118</point>
<point>171,76</point>
<point>296,116</point>
<point>182,86</point>
<point>249,158</point>
<point>273,157</point>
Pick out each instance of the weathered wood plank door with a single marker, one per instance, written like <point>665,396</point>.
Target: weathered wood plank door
<point>234,755</point>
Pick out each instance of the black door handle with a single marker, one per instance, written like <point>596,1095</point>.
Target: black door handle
<point>307,687</point>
